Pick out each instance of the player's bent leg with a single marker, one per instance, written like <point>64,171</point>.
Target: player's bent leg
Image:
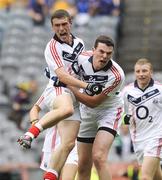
<point>62,108</point>
<point>70,168</point>
<point>84,160</point>
<point>68,131</point>
<point>101,146</point>
<point>149,167</point>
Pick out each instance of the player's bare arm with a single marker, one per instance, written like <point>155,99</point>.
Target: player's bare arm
<point>34,114</point>
<point>90,101</point>
<point>68,79</point>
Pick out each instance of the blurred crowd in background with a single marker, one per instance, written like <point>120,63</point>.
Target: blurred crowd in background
<point>80,9</point>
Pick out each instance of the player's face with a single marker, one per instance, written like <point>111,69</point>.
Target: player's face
<point>62,28</point>
<point>102,54</point>
<point>143,74</point>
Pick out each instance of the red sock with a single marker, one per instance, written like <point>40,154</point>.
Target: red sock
<point>50,176</point>
<point>34,130</point>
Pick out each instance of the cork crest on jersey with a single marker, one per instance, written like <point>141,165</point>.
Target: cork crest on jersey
<point>71,57</point>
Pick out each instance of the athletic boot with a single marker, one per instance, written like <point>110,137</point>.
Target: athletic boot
<point>25,141</point>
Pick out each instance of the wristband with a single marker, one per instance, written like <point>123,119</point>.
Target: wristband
<point>126,119</point>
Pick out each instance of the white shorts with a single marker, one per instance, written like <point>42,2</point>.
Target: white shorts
<point>151,147</point>
<point>47,99</point>
<point>108,119</point>
<point>52,141</point>
<point>72,159</point>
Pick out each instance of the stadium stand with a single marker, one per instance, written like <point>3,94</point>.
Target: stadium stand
<point>141,33</point>
<point>108,26</point>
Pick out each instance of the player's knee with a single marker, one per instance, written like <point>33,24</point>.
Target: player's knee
<point>145,177</point>
<point>84,174</point>
<point>98,159</point>
<point>68,111</point>
<point>68,146</point>
<point>84,169</point>
<point>84,166</point>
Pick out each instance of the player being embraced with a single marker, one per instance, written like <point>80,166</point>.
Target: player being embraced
<point>143,104</point>
<point>100,114</point>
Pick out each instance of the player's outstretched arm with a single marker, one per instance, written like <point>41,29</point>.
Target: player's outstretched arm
<point>67,79</point>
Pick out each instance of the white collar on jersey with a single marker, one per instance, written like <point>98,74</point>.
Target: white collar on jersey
<point>151,83</point>
<point>61,42</point>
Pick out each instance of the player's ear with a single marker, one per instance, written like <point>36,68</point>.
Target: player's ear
<point>151,72</point>
<point>70,21</point>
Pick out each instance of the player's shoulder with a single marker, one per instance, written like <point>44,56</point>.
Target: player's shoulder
<point>53,47</point>
<point>87,53</point>
<point>158,84</point>
<point>52,43</point>
<point>78,39</point>
<point>115,64</point>
<point>128,88</point>
<point>84,56</point>
<point>117,70</point>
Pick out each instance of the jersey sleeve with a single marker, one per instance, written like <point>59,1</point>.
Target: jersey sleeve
<point>83,56</point>
<point>114,84</point>
<point>53,55</point>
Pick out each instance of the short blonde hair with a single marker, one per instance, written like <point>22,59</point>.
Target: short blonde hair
<point>143,61</point>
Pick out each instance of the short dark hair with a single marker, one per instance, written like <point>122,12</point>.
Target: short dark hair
<point>104,39</point>
<point>60,13</point>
